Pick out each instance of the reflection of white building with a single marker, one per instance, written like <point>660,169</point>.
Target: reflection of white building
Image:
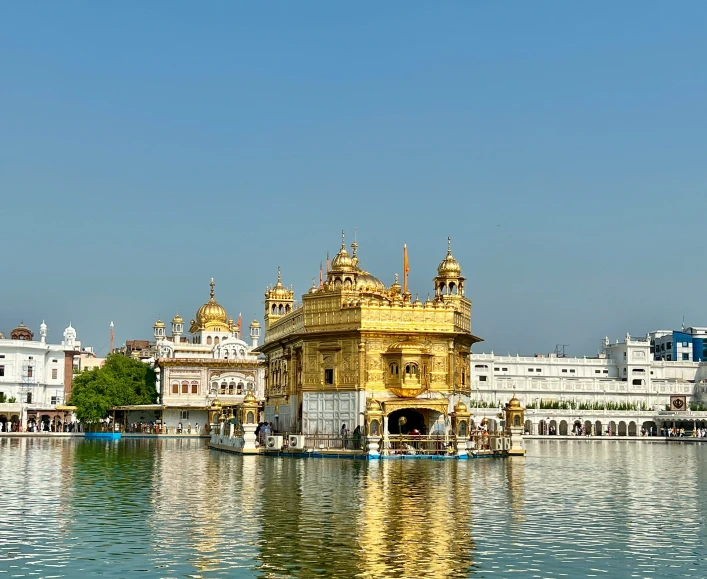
<point>36,375</point>
<point>214,361</point>
<point>623,384</point>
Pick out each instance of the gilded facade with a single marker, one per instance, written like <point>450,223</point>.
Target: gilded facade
<point>352,337</point>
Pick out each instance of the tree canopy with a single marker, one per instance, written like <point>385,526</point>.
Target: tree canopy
<point>121,381</point>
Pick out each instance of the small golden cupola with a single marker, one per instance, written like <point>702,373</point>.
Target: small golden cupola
<point>449,281</point>
<point>279,300</point>
<point>211,315</point>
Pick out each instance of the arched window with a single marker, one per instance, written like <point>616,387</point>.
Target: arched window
<point>208,341</point>
<point>175,387</point>
<point>231,386</point>
<point>452,288</point>
<point>394,369</point>
<point>194,387</point>
<point>287,309</point>
<point>214,387</point>
<point>282,309</point>
<point>240,388</point>
<point>216,340</point>
<point>250,386</point>
<point>223,387</point>
<point>274,309</point>
<point>225,354</point>
<point>411,370</point>
<point>185,387</point>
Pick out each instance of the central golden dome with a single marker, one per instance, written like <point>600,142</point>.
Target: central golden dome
<point>211,311</point>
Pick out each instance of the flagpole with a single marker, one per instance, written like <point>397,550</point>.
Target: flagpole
<point>405,269</point>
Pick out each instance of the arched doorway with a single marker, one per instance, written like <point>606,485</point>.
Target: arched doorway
<point>577,428</point>
<point>3,423</point>
<point>542,428</point>
<point>650,427</point>
<point>598,429</point>
<point>632,428</point>
<point>553,427</point>
<point>406,420</point>
<point>528,427</point>
<point>622,428</point>
<point>563,428</point>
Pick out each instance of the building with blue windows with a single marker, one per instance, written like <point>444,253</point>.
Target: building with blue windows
<point>686,345</point>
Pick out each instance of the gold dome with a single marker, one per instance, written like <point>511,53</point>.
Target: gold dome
<point>514,402</point>
<point>250,398</point>
<point>159,324</point>
<point>367,282</point>
<point>449,267</point>
<point>373,405</point>
<point>211,311</point>
<point>255,324</point>
<point>342,261</point>
<point>216,404</point>
<point>279,292</point>
<point>177,319</point>
<point>460,407</point>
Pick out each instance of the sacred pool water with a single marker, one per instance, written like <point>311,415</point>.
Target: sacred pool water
<point>172,508</point>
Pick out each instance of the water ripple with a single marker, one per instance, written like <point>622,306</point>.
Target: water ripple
<point>173,509</point>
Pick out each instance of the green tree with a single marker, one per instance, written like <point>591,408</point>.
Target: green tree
<point>120,381</point>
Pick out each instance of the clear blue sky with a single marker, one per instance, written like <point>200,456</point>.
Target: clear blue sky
<point>146,147</point>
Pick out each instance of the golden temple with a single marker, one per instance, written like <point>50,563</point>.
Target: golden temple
<point>352,338</point>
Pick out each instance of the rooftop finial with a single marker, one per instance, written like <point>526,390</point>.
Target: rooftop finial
<point>354,245</point>
<point>449,246</point>
<point>343,239</point>
<point>212,284</point>
<point>279,276</point>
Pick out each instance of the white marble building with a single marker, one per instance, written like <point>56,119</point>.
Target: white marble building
<point>35,376</point>
<point>623,384</point>
<point>213,362</point>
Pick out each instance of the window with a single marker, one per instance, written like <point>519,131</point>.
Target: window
<point>329,376</point>
<point>684,344</point>
<point>596,371</point>
<point>637,382</point>
<point>223,388</point>
<point>184,415</point>
<point>2,370</point>
<point>208,341</point>
<point>239,390</point>
<point>572,371</point>
<point>54,400</point>
<point>185,387</point>
<point>394,369</point>
<point>175,388</point>
<point>505,369</point>
<point>530,369</point>
<point>482,378</point>
<point>29,398</point>
<point>669,358</point>
<point>30,371</point>
<point>564,370</point>
<point>55,373</point>
<point>55,361</point>
<point>606,372</point>
<point>463,378</point>
<point>538,369</point>
<point>669,346</point>
<point>686,356</point>
<point>31,357</point>
<point>194,387</point>
<point>411,369</point>
<point>484,366</point>
<point>2,355</point>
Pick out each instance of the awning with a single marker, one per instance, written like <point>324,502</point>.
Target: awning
<point>65,408</point>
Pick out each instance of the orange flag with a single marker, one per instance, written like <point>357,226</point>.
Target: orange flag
<point>406,268</point>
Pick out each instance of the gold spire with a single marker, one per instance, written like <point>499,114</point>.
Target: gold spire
<point>342,261</point>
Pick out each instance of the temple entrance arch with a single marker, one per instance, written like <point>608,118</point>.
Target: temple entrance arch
<point>406,420</point>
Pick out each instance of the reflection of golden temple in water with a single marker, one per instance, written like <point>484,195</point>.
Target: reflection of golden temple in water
<point>387,519</point>
<point>416,528</point>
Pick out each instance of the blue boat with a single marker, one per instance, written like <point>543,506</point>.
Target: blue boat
<point>103,435</point>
